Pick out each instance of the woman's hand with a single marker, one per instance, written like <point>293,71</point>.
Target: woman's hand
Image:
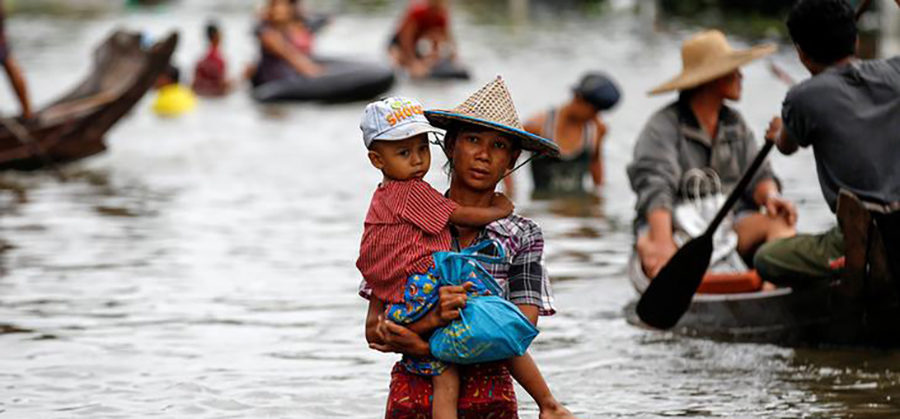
<point>655,253</point>
<point>452,299</point>
<point>396,338</point>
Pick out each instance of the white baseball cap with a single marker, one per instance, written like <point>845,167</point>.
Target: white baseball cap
<point>394,118</point>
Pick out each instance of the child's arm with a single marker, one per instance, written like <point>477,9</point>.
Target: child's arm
<point>500,207</point>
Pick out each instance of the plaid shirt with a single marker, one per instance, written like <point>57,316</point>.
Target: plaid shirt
<point>524,279</point>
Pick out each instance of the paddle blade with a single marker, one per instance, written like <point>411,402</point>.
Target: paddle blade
<point>669,294</point>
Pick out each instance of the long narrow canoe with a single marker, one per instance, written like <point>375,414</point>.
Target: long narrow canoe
<point>820,314</point>
<point>73,127</point>
<point>861,308</point>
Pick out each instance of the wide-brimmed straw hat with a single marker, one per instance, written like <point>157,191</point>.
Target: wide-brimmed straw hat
<point>492,107</point>
<point>707,56</point>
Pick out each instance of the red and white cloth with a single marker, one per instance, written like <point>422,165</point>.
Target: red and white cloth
<point>407,222</point>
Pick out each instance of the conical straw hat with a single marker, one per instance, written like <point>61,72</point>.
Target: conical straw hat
<point>707,56</point>
<point>492,107</point>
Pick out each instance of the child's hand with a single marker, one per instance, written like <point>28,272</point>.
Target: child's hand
<point>502,203</point>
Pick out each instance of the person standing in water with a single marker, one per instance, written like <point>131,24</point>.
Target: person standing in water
<point>172,98</point>
<point>578,130</point>
<point>12,69</point>
<point>210,76</point>
<point>483,141</point>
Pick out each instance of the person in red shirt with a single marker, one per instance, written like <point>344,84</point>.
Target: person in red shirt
<point>210,77</point>
<point>424,20</point>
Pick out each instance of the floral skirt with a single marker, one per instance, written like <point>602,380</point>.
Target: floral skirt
<point>486,393</point>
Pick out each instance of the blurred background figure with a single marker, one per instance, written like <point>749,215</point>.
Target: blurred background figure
<point>423,38</point>
<point>12,69</point>
<point>314,22</point>
<point>172,98</point>
<point>210,75</point>
<point>578,130</point>
<point>285,45</point>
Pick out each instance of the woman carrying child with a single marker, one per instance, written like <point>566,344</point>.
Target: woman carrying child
<point>484,138</point>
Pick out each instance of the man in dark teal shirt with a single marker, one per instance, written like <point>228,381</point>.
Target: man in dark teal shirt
<point>849,113</point>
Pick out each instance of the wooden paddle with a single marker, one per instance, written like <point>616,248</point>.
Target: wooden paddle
<point>670,293</point>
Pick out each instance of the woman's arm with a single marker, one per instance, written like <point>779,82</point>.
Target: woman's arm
<point>376,310</point>
<point>532,312</point>
<point>597,156</point>
<point>386,336</point>
<point>273,42</point>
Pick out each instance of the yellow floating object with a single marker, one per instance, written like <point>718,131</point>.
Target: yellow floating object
<point>174,100</point>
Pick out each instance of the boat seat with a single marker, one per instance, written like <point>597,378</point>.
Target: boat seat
<point>730,283</point>
<point>872,247</point>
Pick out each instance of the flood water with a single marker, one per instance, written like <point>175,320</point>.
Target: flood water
<point>203,267</point>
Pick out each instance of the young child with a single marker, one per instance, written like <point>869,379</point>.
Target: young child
<point>210,76</point>
<point>406,223</point>
<point>172,99</point>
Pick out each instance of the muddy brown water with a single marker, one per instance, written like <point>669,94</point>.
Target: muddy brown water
<point>203,266</point>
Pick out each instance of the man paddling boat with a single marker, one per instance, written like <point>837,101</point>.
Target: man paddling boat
<point>849,113</point>
<point>700,132</point>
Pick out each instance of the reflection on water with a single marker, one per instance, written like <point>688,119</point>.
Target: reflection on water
<point>203,267</point>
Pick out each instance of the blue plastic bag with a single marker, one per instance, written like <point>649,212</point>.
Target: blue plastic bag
<point>490,328</point>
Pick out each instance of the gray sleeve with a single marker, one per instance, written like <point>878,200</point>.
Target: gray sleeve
<point>654,172</point>
<point>796,124</point>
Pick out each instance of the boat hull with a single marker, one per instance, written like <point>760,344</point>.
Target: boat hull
<point>822,314</point>
<point>343,81</point>
<point>73,127</point>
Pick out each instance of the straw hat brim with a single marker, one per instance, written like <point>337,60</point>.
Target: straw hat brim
<point>527,140</point>
<point>711,71</point>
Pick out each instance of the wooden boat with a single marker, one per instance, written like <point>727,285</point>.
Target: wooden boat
<point>862,308</point>
<point>449,70</point>
<point>73,126</point>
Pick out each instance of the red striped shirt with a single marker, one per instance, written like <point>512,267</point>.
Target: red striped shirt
<point>406,224</point>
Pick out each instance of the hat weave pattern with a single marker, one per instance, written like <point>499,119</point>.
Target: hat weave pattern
<point>492,107</point>
<point>492,103</point>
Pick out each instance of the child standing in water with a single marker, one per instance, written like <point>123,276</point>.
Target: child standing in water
<point>210,76</point>
<point>407,222</point>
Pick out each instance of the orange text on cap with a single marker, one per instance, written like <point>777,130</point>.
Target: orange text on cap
<point>403,112</point>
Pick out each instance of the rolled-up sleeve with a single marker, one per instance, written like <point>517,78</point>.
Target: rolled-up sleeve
<point>529,283</point>
<point>365,291</point>
<point>654,171</point>
<point>796,125</point>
